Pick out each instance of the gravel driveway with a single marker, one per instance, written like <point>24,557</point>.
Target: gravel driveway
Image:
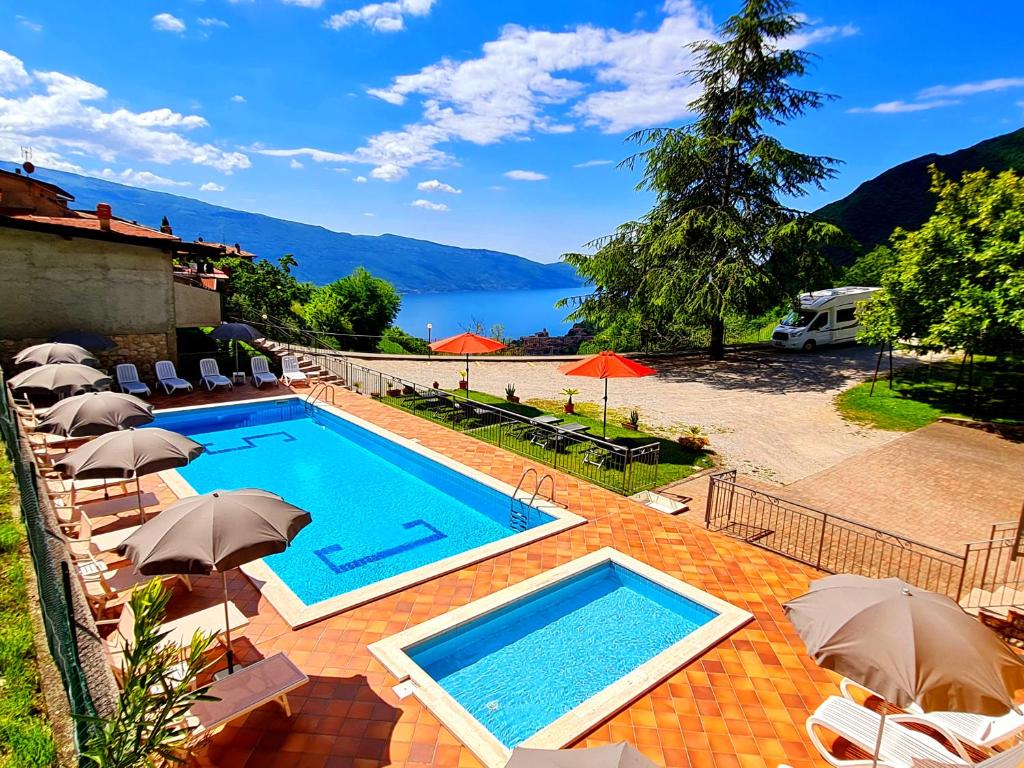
<point>769,414</point>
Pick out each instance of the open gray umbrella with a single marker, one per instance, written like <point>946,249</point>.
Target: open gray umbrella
<point>95,413</point>
<point>909,645</point>
<point>235,332</point>
<point>88,339</point>
<point>60,378</point>
<point>129,454</point>
<point>621,755</point>
<point>54,352</point>
<point>215,531</point>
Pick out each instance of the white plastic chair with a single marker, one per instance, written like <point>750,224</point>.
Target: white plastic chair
<point>212,377</point>
<point>168,378</point>
<point>290,371</point>
<point>261,372</point>
<point>128,380</point>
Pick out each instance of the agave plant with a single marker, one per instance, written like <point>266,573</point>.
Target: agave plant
<point>569,392</point>
<point>510,390</point>
<point>634,419</point>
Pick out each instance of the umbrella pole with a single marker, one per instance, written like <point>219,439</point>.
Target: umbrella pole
<point>138,495</point>
<point>604,427</point>
<point>878,739</point>
<point>467,376</point>
<point>227,624</point>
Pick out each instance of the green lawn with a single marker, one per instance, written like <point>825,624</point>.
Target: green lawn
<point>675,462</point>
<point>25,737</point>
<point>922,394</point>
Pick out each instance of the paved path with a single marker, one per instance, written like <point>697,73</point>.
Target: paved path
<point>770,414</point>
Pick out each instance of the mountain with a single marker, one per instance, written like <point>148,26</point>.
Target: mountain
<point>899,197</point>
<point>414,266</point>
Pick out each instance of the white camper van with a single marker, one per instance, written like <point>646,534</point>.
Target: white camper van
<point>822,317</point>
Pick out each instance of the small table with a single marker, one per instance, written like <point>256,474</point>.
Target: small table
<point>238,377</point>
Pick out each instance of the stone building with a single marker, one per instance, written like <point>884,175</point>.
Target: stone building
<point>63,269</point>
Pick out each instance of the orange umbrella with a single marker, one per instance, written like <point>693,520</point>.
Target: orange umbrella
<point>467,344</point>
<point>606,365</point>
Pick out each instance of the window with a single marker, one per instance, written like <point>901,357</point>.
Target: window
<point>845,315</point>
<point>820,322</point>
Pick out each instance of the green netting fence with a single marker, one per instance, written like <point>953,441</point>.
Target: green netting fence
<point>52,579</point>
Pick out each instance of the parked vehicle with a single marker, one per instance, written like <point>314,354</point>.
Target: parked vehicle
<point>822,317</point>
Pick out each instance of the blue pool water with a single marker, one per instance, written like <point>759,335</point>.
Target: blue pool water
<point>520,668</point>
<point>378,508</point>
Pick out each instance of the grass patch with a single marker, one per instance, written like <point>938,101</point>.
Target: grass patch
<point>922,394</point>
<point>675,463</point>
<point>25,737</point>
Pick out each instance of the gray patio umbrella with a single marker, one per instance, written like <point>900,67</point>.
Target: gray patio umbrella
<point>621,755</point>
<point>235,332</point>
<point>95,413</point>
<point>60,378</point>
<point>909,645</point>
<point>54,352</point>
<point>88,339</point>
<point>129,454</point>
<point>215,531</point>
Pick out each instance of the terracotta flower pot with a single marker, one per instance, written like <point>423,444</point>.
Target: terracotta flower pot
<point>463,385</point>
<point>512,398</point>
<point>570,407</point>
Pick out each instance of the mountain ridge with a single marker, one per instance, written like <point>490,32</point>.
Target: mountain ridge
<point>413,265</point>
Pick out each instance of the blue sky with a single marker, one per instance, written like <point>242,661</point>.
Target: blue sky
<point>470,122</point>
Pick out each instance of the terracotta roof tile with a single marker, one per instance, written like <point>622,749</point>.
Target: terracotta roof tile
<point>91,223</point>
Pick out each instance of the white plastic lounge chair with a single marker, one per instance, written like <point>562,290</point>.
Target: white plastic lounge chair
<point>128,380</point>
<point>977,731</point>
<point>102,542</point>
<point>212,377</point>
<point>109,588</point>
<point>901,747</point>
<point>261,372</point>
<point>290,371</point>
<point>168,378</point>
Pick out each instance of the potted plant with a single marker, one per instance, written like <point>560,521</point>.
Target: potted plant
<point>569,392</point>
<point>633,422</point>
<point>392,389</point>
<point>463,383</point>
<point>358,387</point>
<point>693,438</point>
<point>510,393</point>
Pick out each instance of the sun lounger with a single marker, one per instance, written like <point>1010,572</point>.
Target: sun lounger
<point>102,542</point>
<point>168,378</point>
<point>261,372</point>
<point>110,588</point>
<point>555,436</point>
<point>290,371</point>
<point>901,747</point>
<point>128,380</point>
<point>976,731</point>
<point>211,375</point>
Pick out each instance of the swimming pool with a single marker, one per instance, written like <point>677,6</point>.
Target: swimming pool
<point>541,663</point>
<point>383,508</point>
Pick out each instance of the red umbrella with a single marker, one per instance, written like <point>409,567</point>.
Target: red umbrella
<point>606,365</point>
<point>467,344</point>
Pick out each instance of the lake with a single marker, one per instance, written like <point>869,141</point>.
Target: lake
<point>520,312</point>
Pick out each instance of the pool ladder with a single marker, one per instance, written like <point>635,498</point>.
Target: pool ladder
<point>519,511</point>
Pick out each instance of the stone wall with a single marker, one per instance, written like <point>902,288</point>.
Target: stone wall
<point>143,349</point>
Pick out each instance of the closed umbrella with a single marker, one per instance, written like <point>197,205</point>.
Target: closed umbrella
<point>130,454</point>
<point>95,413</point>
<point>235,332</point>
<point>97,342</point>
<point>621,755</point>
<point>54,352</point>
<point>909,645</point>
<point>215,531</point>
<point>60,378</point>
<point>467,344</point>
<point>606,365</point>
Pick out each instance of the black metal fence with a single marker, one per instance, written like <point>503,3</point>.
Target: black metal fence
<point>52,580</point>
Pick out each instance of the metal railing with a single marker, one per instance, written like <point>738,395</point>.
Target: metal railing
<point>52,580</point>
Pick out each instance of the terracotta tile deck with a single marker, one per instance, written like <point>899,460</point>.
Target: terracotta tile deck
<point>741,705</point>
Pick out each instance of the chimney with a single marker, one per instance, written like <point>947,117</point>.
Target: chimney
<point>165,227</point>
<point>103,214</point>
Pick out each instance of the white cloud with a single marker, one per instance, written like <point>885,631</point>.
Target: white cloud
<point>525,176</point>
<point>969,89</point>
<point>359,179</point>
<point>496,188</point>
<point>427,205</point>
<point>304,3</point>
<point>211,186</point>
<point>342,170</point>
<point>28,24</point>
<point>435,185</point>
<point>209,21</point>
<point>381,17</point>
<point>56,114</point>
<point>896,107</point>
<point>389,172</point>
<point>238,98</point>
<point>140,178</point>
<point>295,164</point>
<point>593,163</point>
<point>369,215</point>
<point>165,22</point>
